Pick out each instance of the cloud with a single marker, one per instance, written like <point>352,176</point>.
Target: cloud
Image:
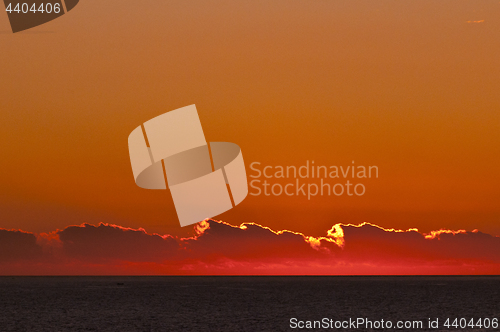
<point>438,247</point>
<point>106,242</point>
<point>220,248</point>
<point>18,246</point>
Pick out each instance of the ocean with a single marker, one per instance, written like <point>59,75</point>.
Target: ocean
<point>248,303</point>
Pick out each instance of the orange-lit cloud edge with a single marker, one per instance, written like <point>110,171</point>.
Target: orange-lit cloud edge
<point>219,248</point>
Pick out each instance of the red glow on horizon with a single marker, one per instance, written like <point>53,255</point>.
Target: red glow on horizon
<point>219,248</point>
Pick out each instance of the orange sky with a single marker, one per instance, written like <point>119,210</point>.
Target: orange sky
<point>411,87</point>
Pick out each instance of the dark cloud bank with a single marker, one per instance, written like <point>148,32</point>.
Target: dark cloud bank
<point>220,248</point>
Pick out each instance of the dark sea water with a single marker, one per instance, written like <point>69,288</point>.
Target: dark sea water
<point>240,303</point>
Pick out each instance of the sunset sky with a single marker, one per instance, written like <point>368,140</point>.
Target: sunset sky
<point>409,86</point>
